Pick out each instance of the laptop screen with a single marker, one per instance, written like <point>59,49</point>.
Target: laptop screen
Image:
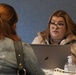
<point>51,56</point>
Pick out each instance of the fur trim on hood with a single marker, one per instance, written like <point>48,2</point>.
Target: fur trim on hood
<point>68,39</point>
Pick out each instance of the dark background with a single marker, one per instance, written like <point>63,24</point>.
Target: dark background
<point>34,14</point>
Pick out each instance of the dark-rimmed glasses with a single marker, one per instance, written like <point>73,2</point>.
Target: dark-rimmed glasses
<point>59,25</point>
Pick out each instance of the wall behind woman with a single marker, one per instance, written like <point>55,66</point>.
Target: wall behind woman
<point>34,14</point>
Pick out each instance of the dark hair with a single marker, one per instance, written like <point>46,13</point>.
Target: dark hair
<point>8,17</point>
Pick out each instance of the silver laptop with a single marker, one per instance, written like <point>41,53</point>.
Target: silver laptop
<point>52,56</point>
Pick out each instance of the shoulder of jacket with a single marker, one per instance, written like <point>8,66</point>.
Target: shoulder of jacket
<point>39,33</point>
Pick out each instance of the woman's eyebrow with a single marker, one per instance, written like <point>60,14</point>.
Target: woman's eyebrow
<point>60,21</point>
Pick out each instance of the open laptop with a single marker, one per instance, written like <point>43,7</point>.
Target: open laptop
<point>51,56</point>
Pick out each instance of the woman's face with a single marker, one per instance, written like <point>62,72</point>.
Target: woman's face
<point>57,28</point>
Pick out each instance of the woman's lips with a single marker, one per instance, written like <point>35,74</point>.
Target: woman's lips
<point>55,32</point>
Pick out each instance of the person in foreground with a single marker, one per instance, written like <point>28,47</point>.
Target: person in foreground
<point>61,30</point>
<point>8,61</point>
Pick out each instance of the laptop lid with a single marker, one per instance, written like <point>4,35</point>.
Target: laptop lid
<point>51,56</point>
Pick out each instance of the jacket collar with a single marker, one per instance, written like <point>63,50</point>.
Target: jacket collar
<point>68,39</point>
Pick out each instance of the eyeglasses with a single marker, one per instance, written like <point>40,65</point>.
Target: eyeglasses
<point>59,25</point>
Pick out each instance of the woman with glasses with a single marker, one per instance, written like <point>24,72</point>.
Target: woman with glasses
<point>61,30</point>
